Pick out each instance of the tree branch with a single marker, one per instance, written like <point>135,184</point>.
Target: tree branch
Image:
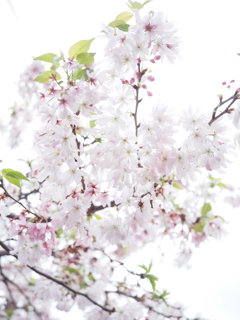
<point>61,283</point>
<point>214,117</point>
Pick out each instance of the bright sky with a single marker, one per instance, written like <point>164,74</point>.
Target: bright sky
<point>210,35</point>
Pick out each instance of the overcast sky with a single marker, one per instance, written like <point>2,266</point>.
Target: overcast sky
<point>209,30</point>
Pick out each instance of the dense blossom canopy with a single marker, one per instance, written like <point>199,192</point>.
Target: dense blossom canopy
<point>113,172</point>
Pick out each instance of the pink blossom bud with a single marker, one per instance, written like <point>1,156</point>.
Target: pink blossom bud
<point>124,81</point>
<point>149,93</point>
<point>132,80</point>
<point>157,57</point>
<point>150,78</point>
<point>153,61</point>
<point>169,46</point>
<point>228,86</point>
<point>238,89</point>
<point>232,81</point>
<point>139,60</point>
<point>224,83</point>
<point>144,86</point>
<point>137,74</point>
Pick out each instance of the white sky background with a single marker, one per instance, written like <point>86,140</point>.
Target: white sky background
<point>210,31</point>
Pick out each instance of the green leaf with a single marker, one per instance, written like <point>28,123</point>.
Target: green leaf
<point>150,266</point>
<point>92,123</point>
<point>58,233</point>
<point>79,73</point>
<point>55,66</point>
<point>144,267</point>
<point>16,182</point>
<point>79,47</point>
<point>135,5</point>
<point>85,58</point>
<point>198,227</point>
<point>47,57</point>
<point>124,16</point>
<point>220,184</point>
<point>98,217</point>
<point>89,217</point>
<point>45,76</point>
<point>72,270</point>
<point>152,280</point>
<point>91,277</point>
<point>121,25</point>
<point>13,176</point>
<point>206,208</point>
<point>99,140</point>
<point>177,186</point>
<point>162,296</point>
<point>1,161</point>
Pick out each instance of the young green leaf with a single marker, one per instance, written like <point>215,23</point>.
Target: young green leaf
<point>97,216</point>
<point>152,280</point>
<point>150,266</point>
<point>47,57</point>
<point>144,267</point>
<point>121,25</point>
<point>85,58</point>
<point>220,184</point>
<point>162,296</point>
<point>124,16</point>
<point>177,186</point>
<point>45,76</point>
<point>79,73</point>
<point>198,227</point>
<point>135,5</point>
<point>206,208</point>
<point>13,176</point>
<point>79,47</point>
<point>14,181</point>
<point>92,123</point>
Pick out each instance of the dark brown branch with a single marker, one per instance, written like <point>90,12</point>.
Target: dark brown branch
<point>26,195</point>
<point>92,209</point>
<point>4,253</point>
<point>226,111</point>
